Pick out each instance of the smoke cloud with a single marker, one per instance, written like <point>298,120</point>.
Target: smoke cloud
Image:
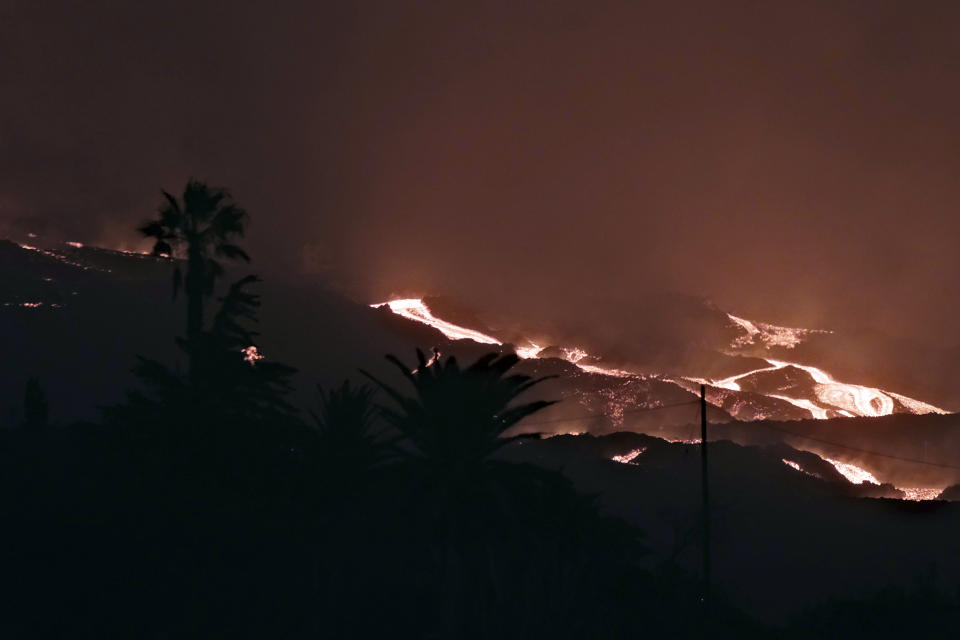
<point>794,162</point>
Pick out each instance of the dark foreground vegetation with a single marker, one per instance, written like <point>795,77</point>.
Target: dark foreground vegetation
<point>207,506</point>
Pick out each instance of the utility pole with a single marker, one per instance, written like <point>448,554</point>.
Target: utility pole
<point>706,499</point>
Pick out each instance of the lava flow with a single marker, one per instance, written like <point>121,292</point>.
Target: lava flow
<point>416,309</point>
<point>846,399</point>
<point>843,399</point>
<point>852,472</point>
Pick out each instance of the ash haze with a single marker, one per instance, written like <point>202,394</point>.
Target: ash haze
<point>793,161</point>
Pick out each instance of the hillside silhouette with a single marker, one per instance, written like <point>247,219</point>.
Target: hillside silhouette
<point>220,492</point>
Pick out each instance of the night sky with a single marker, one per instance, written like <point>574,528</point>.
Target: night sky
<point>793,161</point>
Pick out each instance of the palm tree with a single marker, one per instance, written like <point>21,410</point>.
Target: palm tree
<point>201,228</point>
<point>452,425</point>
<point>246,384</point>
<point>457,417</point>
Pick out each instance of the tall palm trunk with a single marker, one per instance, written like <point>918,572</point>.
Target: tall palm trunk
<point>194,290</point>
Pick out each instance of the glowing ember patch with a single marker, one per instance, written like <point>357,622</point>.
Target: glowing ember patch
<point>32,305</point>
<point>433,358</point>
<point>791,464</point>
<point>916,406</point>
<point>138,252</point>
<point>574,355</point>
<point>853,473</point>
<point>62,258</point>
<point>770,335</point>
<point>918,494</point>
<point>251,354</point>
<point>627,458</point>
<point>76,245</point>
<point>529,352</point>
<point>796,466</point>
<point>617,373</point>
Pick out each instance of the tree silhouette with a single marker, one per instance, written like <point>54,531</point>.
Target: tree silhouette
<point>456,418</point>
<point>247,384</point>
<point>201,228</point>
<point>452,425</point>
<point>234,389</point>
<point>230,390</point>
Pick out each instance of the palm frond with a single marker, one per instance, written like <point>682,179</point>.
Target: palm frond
<point>151,229</point>
<point>200,201</point>
<point>231,252</point>
<point>457,416</point>
<point>229,220</point>
<point>172,204</point>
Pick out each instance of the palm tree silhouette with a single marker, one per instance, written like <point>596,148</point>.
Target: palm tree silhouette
<point>452,425</point>
<point>456,418</point>
<point>201,227</point>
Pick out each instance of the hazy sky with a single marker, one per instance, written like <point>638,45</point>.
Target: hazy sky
<point>795,161</point>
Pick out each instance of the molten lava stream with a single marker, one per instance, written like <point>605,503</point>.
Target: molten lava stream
<point>416,309</point>
<point>831,395</point>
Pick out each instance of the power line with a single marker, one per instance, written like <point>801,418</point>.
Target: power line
<point>705,490</point>
<point>753,423</point>
<point>852,448</point>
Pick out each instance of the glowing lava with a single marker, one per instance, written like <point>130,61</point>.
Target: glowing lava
<point>731,382</point>
<point>416,309</point>
<point>830,395</point>
<point>852,472</point>
<point>819,413</point>
<point>847,399</point>
<point>918,494</point>
<point>251,354</point>
<point>62,258</point>
<point>628,457</point>
<point>792,464</point>
<point>916,405</point>
<point>857,399</point>
<point>529,352</point>
<point>770,335</point>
